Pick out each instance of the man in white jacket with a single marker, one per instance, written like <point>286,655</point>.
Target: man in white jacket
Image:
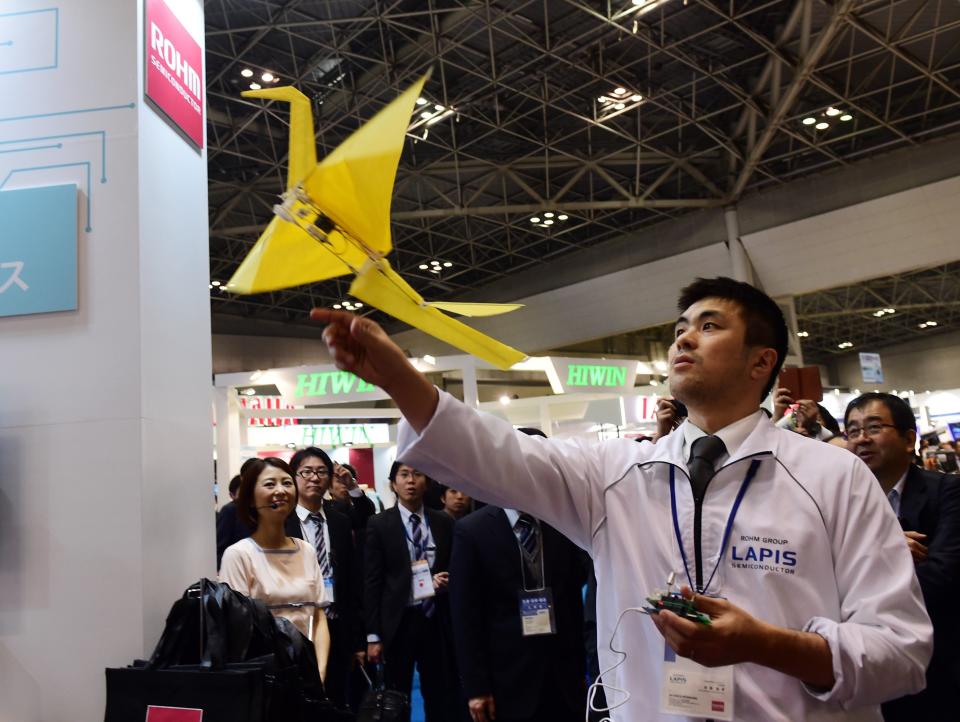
<point>788,544</point>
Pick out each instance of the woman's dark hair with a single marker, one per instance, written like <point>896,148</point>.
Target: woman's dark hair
<point>763,318</point>
<point>296,461</point>
<point>251,471</point>
<point>900,412</point>
<point>829,422</point>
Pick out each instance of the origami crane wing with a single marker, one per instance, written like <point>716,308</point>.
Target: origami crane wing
<point>379,285</point>
<point>335,220</point>
<point>352,186</point>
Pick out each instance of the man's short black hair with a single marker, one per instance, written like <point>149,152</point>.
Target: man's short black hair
<point>303,454</point>
<point>234,485</point>
<point>764,320</point>
<point>900,412</point>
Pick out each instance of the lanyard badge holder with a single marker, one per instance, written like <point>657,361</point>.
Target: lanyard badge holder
<point>688,688</point>
<point>537,615</point>
<point>421,578</point>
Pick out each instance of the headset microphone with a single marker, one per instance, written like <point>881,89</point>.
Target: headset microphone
<point>274,505</point>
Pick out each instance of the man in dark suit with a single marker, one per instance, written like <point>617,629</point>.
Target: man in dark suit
<point>330,533</point>
<point>881,430</point>
<point>406,557</point>
<point>500,556</point>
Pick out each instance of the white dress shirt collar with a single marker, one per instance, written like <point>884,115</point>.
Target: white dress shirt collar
<point>303,513</point>
<point>733,435</point>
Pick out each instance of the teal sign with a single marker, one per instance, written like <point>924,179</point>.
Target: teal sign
<point>38,250</point>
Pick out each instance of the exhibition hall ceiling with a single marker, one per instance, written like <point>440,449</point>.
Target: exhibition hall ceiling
<point>553,126</point>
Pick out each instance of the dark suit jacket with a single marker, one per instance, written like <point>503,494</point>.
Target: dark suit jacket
<point>387,572</point>
<point>359,509</point>
<point>493,656</point>
<point>931,505</point>
<point>346,584</point>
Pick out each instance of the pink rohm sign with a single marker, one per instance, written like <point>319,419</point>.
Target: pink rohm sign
<point>174,71</point>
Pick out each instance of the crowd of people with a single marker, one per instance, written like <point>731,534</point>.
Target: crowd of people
<point>825,557</point>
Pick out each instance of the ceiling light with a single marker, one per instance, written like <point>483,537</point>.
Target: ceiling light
<point>211,285</point>
<point>247,73</point>
<point>603,99</point>
<point>548,215</point>
<point>434,263</point>
<point>267,77</point>
<point>430,359</point>
<point>535,219</point>
<point>447,264</point>
<point>337,306</point>
<point>214,283</point>
<point>249,392</point>
<point>562,217</point>
<point>636,98</point>
<point>434,270</point>
<point>831,111</point>
<point>802,334</point>
<point>438,108</point>
<point>254,86</point>
<point>660,365</point>
<point>890,310</point>
<point>358,305</point>
<point>845,117</point>
<point>426,114</point>
<point>548,223</point>
<point>421,101</point>
<point>809,121</point>
<point>654,382</point>
<point>505,400</point>
<point>424,266</point>
<point>931,323</point>
<point>619,91</point>
<point>619,106</point>
<point>822,125</point>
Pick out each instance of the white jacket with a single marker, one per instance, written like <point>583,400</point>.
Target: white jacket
<point>848,575</point>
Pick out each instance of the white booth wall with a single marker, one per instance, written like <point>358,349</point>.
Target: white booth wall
<point>105,470</point>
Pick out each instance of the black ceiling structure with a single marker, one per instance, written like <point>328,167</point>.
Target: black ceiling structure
<point>613,115</point>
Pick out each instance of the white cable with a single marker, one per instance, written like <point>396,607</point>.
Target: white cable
<point>592,690</point>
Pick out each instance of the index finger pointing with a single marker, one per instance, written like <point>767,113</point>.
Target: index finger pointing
<point>329,315</point>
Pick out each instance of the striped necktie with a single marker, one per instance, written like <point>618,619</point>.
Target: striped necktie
<point>420,552</point>
<point>323,557</point>
<point>527,534</point>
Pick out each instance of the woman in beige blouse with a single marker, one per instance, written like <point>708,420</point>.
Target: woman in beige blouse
<point>279,570</point>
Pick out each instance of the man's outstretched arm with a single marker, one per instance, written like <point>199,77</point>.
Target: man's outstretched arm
<point>360,346</point>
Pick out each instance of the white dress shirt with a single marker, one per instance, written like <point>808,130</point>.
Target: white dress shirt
<point>895,495</point>
<point>309,529</point>
<point>424,531</point>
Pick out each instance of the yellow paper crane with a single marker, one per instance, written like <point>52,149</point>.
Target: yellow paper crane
<point>335,220</point>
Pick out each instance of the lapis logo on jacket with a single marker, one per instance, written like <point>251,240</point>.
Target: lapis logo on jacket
<point>768,554</point>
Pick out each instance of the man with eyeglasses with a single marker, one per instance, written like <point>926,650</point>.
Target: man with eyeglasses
<point>881,430</point>
<point>331,534</point>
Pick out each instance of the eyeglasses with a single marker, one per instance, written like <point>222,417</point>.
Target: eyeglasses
<point>307,472</point>
<point>871,430</point>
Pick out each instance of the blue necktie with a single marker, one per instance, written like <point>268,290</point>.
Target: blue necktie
<point>526,531</point>
<point>420,552</point>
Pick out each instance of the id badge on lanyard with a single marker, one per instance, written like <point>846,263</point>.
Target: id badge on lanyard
<point>329,597</point>
<point>536,612</point>
<point>536,605</point>
<point>694,691</point>
<point>686,687</point>
<point>422,580</point>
